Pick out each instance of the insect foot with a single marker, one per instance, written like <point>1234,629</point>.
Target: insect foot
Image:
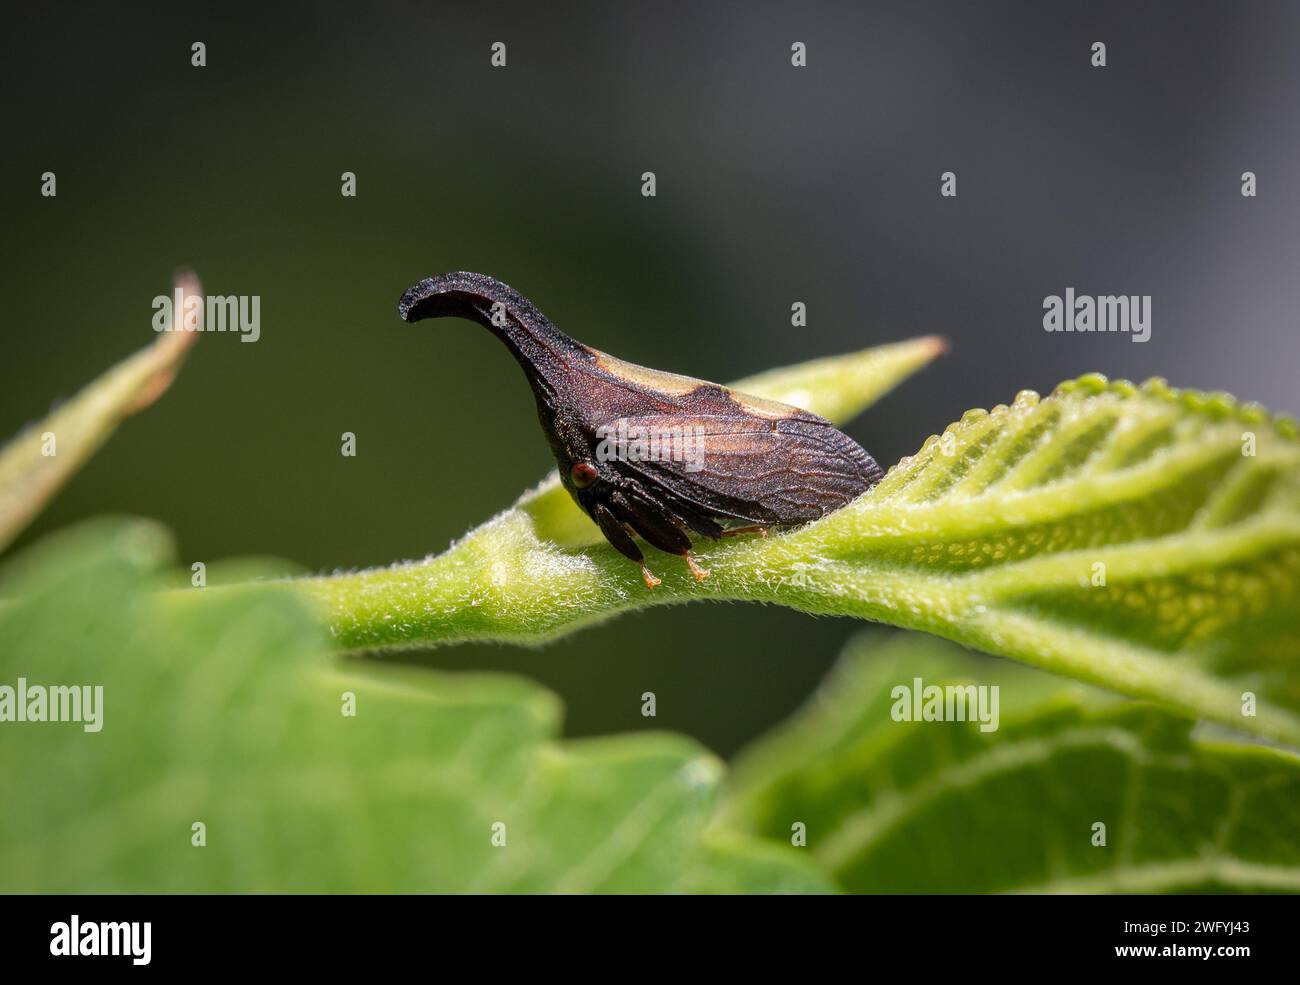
<point>699,573</point>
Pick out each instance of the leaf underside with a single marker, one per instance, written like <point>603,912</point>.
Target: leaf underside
<point>223,709</point>
<point>1071,793</point>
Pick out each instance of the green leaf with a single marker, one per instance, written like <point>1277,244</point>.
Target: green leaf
<point>942,806</point>
<point>221,707</point>
<point>1143,539</point>
<point>41,459</point>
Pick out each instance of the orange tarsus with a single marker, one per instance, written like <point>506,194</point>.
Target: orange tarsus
<point>650,580</point>
<point>699,573</point>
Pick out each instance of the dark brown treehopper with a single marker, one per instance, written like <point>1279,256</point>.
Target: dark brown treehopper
<point>654,454</point>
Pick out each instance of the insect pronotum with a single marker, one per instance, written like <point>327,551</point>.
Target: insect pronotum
<point>655,455</point>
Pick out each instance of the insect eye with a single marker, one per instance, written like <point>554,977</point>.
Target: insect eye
<point>584,474</point>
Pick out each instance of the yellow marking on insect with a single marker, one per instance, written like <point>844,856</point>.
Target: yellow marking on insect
<point>677,385</point>
<point>670,383</point>
<point>771,409</point>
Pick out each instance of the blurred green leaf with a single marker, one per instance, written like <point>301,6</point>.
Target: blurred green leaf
<point>942,806</point>
<point>41,459</point>
<point>221,707</point>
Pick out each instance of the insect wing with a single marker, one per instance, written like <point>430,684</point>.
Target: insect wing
<point>759,470</point>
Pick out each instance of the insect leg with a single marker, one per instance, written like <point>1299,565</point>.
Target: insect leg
<point>617,535</point>
<point>699,573</point>
<point>741,531</point>
<point>696,519</point>
<point>650,521</point>
<point>657,526</point>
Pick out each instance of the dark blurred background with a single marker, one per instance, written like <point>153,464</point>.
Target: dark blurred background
<point>775,184</point>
